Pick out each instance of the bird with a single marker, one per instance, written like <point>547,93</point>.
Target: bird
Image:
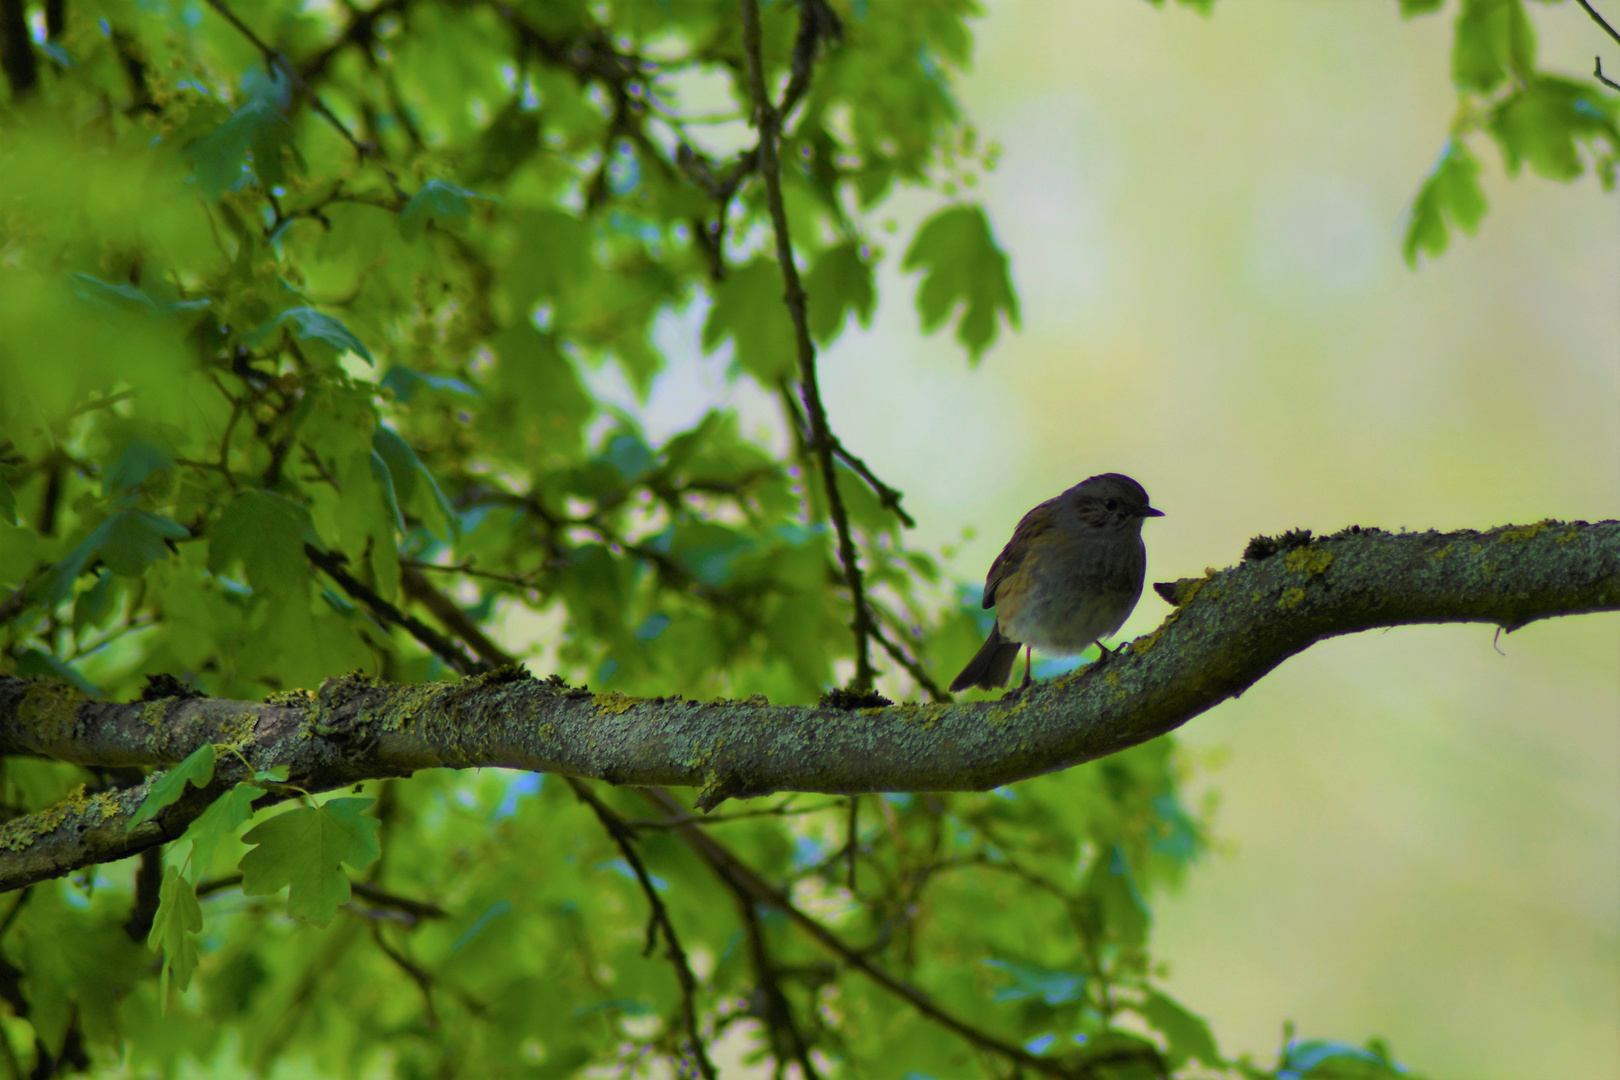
<point>1070,575</point>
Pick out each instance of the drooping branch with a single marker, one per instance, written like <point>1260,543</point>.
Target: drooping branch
<point>821,443</point>
<point>1228,630</point>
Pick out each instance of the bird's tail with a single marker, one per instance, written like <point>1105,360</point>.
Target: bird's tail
<point>991,665</point>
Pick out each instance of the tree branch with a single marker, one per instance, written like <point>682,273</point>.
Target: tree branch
<point>625,837</point>
<point>1600,20</point>
<point>747,884</point>
<point>1597,73</point>
<point>821,443</point>
<point>1228,630</point>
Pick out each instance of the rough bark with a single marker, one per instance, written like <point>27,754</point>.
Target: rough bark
<point>1228,629</point>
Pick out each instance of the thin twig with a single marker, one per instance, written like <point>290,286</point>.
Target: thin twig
<point>419,975</point>
<point>449,613</point>
<point>470,570</point>
<point>274,59</point>
<point>913,667</point>
<point>371,894</point>
<point>775,1009</point>
<point>821,443</point>
<point>1599,19</point>
<point>1597,70</point>
<point>781,810</point>
<point>739,875</point>
<point>624,836</point>
<point>888,496</point>
<point>440,645</point>
<point>852,840</point>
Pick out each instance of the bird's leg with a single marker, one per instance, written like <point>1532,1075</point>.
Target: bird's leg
<point>1028,649</point>
<point>1104,654</point>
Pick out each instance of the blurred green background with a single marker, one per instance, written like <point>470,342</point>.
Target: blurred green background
<point>1422,836</point>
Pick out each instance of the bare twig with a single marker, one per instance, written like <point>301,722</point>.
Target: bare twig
<point>821,444</point>
<point>418,974</point>
<point>441,646</point>
<point>624,836</point>
<point>1597,70</point>
<point>742,878</point>
<point>888,496</point>
<point>774,1007</point>
<point>415,586</point>
<point>1601,21</point>
<point>913,668</point>
<point>371,894</point>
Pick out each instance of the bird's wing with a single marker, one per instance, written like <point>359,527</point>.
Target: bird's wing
<point>1034,523</point>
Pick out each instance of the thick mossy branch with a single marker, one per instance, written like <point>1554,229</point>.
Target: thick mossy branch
<point>1228,630</point>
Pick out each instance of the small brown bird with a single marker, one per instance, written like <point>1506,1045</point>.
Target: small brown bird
<point>1071,574</point>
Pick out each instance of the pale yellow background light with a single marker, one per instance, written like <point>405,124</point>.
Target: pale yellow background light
<point>1205,220</point>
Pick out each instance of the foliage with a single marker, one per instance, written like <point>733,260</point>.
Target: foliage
<point>1552,123</point>
<point>300,346</point>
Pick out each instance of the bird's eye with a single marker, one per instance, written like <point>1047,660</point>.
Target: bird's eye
<point>1111,504</point>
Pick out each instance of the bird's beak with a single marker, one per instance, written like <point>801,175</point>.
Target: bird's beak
<point>1148,511</point>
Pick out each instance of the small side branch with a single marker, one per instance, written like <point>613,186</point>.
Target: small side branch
<point>1597,71</point>
<point>442,646</point>
<point>624,836</point>
<point>743,881</point>
<point>821,443</point>
<point>1601,21</point>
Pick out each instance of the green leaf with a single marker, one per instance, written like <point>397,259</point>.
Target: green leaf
<point>303,848</point>
<point>438,201</point>
<point>174,932</point>
<point>134,539</point>
<point>414,487</point>
<point>140,459</point>
<point>8,502</point>
<point>1413,8</point>
<point>405,382</point>
<point>384,476</point>
<point>748,309</point>
<point>1324,1059</point>
<point>1540,124</point>
<point>265,533</point>
<point>1186,1034</point>
<point>1034,981</point>
<point>962,269</point>
<point>838,285</point>
<point>38,663</point>
<point>1112,887</point>
<point>315,326</point>
<point>258,127</point>
<point>214,824</point>
<point>197,770</point>
<point>1493,38</point>
<point>128,542</point>
<point>95,605</point>
<point>1450,196</point>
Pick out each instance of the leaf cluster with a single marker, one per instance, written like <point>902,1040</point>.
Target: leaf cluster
<point>310,314</point>
<point>1554,124</point>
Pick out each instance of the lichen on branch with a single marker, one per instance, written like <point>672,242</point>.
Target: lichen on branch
<point>1229,628</point>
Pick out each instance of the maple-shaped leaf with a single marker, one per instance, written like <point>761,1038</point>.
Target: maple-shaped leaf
<point>964,270</point>
<point>304,848</point>
<point>174,930</point>
<point>197,770</point>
